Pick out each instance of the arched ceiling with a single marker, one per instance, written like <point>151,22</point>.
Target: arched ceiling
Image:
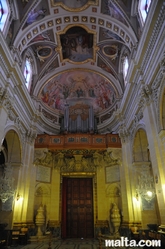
<point>76,48</point>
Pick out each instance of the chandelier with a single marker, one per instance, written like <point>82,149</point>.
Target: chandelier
<point>6,183</point>
<point>146,187</point>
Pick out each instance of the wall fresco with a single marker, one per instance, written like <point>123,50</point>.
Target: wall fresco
<point>78,87</point>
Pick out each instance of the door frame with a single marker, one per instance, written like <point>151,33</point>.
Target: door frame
<point>63,195</point>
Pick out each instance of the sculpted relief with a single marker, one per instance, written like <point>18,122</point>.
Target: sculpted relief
<point>75,161</point>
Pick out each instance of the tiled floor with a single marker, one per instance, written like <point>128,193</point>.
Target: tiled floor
<point>69,244</point>
<point>62,244</point>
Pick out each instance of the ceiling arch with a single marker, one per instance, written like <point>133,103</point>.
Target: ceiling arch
<point>101,31</point>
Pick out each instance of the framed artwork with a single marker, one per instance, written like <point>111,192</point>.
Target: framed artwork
<point>112,174</point>
<point>77,44</point>
<point>43,174</point>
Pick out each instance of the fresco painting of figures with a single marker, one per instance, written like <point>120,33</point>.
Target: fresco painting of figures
<point>82,87</point>
<point>77,44</point>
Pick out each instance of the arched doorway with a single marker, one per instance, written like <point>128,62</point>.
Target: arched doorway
<point>10,160</point>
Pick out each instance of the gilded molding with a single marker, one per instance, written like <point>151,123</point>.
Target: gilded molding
<point>41,56</point>
<point>62,5</point>
<point>78,174</point>
<point>113,56</point>
<point>67,19</point>
<point>59,48</point>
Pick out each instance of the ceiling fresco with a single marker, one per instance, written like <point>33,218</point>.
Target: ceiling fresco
<point>109,8</point>
<point>37,13</point>
<point>76,48</point>
<point>77,44</point>
<point>81,87</point>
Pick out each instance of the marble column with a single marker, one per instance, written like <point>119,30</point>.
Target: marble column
<point>157,156</point>
<point>125,169</point>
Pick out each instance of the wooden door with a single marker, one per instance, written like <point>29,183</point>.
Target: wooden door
<point>77,220</point>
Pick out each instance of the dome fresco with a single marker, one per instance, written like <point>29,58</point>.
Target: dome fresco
<point>78,87</point>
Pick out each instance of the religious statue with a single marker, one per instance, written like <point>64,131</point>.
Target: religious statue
<point>115,219</point>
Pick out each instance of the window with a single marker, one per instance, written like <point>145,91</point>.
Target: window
<point>28,72</point>
<point>125,67</point>
<point>143,9</point>
<point>4,11</point>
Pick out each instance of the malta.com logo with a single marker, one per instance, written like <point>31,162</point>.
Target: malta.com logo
<point>125,242</point>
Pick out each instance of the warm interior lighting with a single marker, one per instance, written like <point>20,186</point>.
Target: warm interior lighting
<point>137,196</point>
<point>163,187</point>
<point>149,193</point>
<point>19,197</point>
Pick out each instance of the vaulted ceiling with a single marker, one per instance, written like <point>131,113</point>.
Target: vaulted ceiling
<point>76,48</point>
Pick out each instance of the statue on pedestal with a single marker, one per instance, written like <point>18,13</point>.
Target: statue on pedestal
<point>115,219</point>
<point>40,220</point>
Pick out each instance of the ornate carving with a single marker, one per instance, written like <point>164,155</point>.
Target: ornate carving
<point>5,99</point>
<point>137,119</point>
<point>49,116</point>
<point>109,160</point>
<point>77,161</point>
<point>97,159</point>
<point>2,92</point>
<point>12,115</point>
<point>124,133</point>
<point>162,64</point>
<point>145,96</point>
<point>31,134</point>
<point>59,160</point>
<point>43,157</point>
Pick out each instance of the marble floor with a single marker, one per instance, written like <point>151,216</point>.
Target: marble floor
<point>63,244</point>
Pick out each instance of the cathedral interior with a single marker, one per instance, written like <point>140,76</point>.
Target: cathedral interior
<point>82,119</point>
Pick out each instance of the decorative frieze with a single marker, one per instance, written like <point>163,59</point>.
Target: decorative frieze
<point>74,160</point>
<point>43,157</point>
<point>80,141</point>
